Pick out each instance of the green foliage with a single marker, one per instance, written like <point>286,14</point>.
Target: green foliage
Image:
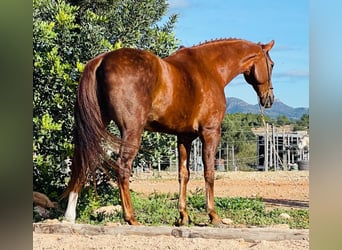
<point>132,23</point>
<point>155,147</point>
<point>66,34</point>
<point>237,129</point>
<point>237,132</point>
<point>196,200</point>
<point>256,205</point>
<point>161,209</point>
<point>282,120</point>
<point>302,123</point>
<point>90,201</point>
<point>156,209</point>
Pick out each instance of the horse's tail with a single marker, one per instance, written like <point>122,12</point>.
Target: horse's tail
<point>89,130</point>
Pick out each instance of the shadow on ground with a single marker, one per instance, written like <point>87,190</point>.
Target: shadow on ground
<point>287,203</point>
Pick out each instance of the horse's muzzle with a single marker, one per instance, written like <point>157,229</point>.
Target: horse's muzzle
<point>267,100</point>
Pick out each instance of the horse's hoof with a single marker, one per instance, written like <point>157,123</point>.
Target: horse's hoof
<point>217,223</point>
<point>221,224</point>
<point>182,222</point>
<point>134,223</point>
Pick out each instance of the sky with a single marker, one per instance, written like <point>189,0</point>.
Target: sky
<point>285,22</point>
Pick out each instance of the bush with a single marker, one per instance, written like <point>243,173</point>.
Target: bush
<point>66,34</point>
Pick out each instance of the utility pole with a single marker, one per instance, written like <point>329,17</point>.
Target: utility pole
<point>285,163</point>
<point>266,148</point>
<point>176,151</point>
<point>271,147</point>
<point>233,158</point>
<point>227,157</point>
<point>275,147</point>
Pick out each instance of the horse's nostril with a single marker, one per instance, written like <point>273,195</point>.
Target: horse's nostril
<point>267,102</point>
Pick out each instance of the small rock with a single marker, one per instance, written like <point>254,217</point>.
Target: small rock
<point>183,233</point>
<point>285,216</point>
<point>227,221</point>
<point>42,212</point>
<point>108,210</point>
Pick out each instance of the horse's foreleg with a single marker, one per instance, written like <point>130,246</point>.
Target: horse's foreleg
<point>128,150</point>
<point>210,141</point>
<point>183,178</point>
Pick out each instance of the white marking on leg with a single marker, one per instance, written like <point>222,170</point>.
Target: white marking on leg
<point>70,213</point>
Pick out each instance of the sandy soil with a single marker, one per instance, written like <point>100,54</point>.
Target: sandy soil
<point>290,189</point>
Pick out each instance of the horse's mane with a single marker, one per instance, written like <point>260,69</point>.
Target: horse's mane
<point>209,42</point>
<point>217,40</point>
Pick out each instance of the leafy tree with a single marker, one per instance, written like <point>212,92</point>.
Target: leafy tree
<point>66,34</point>
<point>282,120</point>
<point>54,83</point>
<point>156,147</point>
<point>132,23</point>
<point>237,132</point>
<point>237,129</point>
<point>302,123</point>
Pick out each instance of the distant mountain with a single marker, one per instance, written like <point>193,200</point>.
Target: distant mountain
<point>236,105</point>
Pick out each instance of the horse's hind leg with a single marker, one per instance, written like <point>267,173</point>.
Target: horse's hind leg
<point>76,183</point>
<point>70,213</point>
<point>128,150</point>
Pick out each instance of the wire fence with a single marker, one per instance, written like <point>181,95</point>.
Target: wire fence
<point>273,151</point>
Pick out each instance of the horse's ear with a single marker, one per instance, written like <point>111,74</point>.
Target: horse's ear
<point>268,46</point>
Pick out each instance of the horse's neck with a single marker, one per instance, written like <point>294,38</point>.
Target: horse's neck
<point>230,59</point>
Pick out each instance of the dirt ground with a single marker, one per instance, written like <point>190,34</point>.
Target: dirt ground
<point>285,189</point>
<point>288,189</point>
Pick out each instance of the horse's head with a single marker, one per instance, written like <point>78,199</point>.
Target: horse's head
<point>259,75</point>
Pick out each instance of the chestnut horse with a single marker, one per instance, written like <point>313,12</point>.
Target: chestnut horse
<point>182,94</point>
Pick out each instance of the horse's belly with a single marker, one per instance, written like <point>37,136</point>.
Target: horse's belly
<point>172,126</point>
